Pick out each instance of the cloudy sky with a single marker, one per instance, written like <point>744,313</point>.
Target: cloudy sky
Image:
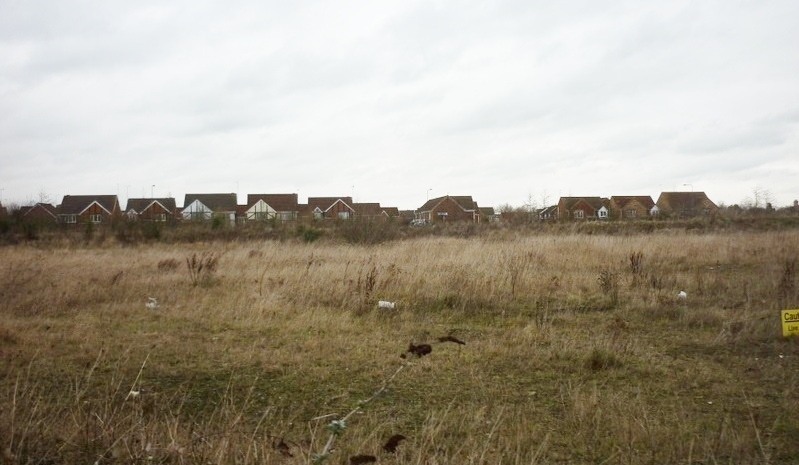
<point>394,101</point>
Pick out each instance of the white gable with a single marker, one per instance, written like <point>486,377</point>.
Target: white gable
<point>196,209</point>
<point>260,207</point>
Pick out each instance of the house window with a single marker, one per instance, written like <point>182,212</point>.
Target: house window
<point>344,215</point>
<point>96,218</point>
<point>197,216</point>
<point>70,219</point>
<point>602,213</point>
<point>578,214</point>
<point>630,213</point>
<point>161,217</point>
<point>317,214</point>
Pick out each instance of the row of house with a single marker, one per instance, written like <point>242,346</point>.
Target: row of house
<point>679,204</point>
<point>96,209</point>
<point>75,209</point>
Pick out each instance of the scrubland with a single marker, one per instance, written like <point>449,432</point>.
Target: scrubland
<point>577,350</point>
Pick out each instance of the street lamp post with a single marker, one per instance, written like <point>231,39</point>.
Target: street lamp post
<point>152,188</point>
<point>428,193</point>
<point>689,184</point>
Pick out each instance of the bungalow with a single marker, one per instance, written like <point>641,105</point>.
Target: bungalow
<point>390,212</point>
<point>548,213</point>
<point>581,208</point>
<point>449,208</point>
<point>94,209</point>
<point>158,210</point>
<point>685,204</point>
<point>206,206</point>
<point>330,208</point>
<point>368,211</point>
<point>40,213</point>
<point>630,207</point>
<point>280,207</point>
<point>488,214</point>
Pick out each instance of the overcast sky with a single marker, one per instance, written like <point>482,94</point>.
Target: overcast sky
<point>394,101</point>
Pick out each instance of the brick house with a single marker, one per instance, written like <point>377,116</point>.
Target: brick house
<point>157,210</point>
<point>40,213</point>
<point>390,212</point>
<point>368,210</point>
<point>630,207</point>
<point>583,208</point>
<point>549,213</point>
<point>685,205</point>
<point>320,208</point>
<point>96,209</point>
<point>449,208</point>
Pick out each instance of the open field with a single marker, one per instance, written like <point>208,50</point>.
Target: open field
<point>577,350</point>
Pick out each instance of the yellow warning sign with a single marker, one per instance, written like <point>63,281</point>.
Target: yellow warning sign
<point>790,322</point>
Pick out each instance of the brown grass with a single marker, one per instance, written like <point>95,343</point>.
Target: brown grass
<point>577,350</point>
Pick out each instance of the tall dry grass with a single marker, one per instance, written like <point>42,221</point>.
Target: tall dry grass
<point>578,350</point>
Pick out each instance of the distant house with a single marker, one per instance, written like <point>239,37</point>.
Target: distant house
<point>407,216</point>
<point>583,208</point>
<point>368,210</point>
<point>320,208</point>
<point>549,213</point>
<point>3,211</point>
<point>449,208</point>
<point>390,212</point>
<point>685,204</point>
<point>96,209</point>
<point>630,207</point>
<point>157,210</point>
<point>201,207</point>
<point>40,213</point>
<point>488,214</point>
<point>280,207</point>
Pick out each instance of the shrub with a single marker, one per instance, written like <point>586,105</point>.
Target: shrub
<point>202,268</point>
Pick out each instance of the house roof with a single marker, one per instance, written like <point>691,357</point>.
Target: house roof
<point>324,203</point>
<point>216,202</point>
<point>682,200</point>
<point>279,202</point>
<point>464,201</point>
<point>622,200</point>
<point>407,214</point>
<point>46,207</point>
<point>141,204</point>
<point>393,212</point>
<point>367,209</point>
<point>76,204</point>
<point>594,202</point>
<point>487,211</point>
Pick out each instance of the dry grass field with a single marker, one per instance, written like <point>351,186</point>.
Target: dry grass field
<point>577,351</point>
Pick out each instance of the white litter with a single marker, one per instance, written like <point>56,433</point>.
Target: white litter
<point>386,304</point>
<point>152,303</point>
<point>682,295</point>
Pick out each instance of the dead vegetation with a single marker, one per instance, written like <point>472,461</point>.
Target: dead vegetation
<point>526,349</point>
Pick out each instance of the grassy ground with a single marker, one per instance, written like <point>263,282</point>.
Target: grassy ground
<point>577,350</point>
